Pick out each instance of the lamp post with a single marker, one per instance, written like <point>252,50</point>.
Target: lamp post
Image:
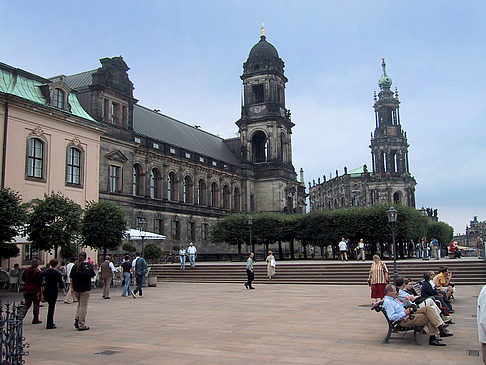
<point>392,219</point>
<point>423,213</point>
<point>141,225</point>
<point>250,225</point>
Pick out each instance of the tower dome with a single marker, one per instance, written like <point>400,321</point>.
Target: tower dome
<point>385,80</point>
<point>263,49</point>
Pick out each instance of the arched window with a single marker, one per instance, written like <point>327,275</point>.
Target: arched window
<point>201,192</point>
<point>59,98</point>
<point>35,158</point>
<point>155,184</point>
<point>73,166</point>
<point>397,197</point>
<point>259,147</point>
<point>187,190</point>
<point>213,195</point>
<point>172,187</point>
<point>226,197</point>
<point>236,200</point>
<point>282,143</point>
<point>137,180</point>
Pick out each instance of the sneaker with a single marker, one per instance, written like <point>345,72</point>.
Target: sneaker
<point>133,295</point>
<point>51,327</point>
<point>76,323</point>
<point>86,328</point>
<point>436,342</point>
<point>36,321</point>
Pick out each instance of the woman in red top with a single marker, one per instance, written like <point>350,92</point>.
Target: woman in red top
<point>32,278</point>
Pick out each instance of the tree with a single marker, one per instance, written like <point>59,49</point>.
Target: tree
<point>54,222</point>
<point>12,217</point>
<point>128,247</point>
<point>68,251</point>
<point>232,229</point>
<point>103,226</point>
<point>152,252</point>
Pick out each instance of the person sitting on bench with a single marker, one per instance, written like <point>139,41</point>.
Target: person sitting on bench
<point>423,316</point>
<point>443,281</point>
<point>428,290</point>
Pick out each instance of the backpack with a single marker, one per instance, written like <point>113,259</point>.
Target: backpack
<point>141,267</point>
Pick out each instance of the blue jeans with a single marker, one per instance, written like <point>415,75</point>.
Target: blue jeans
<point>140,279</point>
<point>192,260</point>
<point>182,259</point>
<point>126,288</point>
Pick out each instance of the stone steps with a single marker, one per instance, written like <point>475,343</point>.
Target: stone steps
<point>465,272</point>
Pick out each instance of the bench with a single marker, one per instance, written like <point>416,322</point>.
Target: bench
<point>394,326</point>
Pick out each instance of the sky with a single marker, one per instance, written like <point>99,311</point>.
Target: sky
<point>186,58</point>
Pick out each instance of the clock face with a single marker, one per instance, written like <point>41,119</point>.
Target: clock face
<point>391,131</point>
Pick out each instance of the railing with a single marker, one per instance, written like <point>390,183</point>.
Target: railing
<point>12,346</point>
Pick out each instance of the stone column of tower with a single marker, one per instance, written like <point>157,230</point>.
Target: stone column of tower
<point>265,131</point>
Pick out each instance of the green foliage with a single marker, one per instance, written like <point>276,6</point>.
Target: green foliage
<point>103,225</point>
<point>128,247</point>
<point>152,251</point>
<point>175,247</point>
<point>12,217</point>
<point>68,251</point>
<point>440,230</point>
<point>53,222</point>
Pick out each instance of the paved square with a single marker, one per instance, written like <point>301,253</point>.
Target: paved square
<point>181,323</point>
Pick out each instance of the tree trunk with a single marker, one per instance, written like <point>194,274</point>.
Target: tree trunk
<point>266,249</point>
<point>291,244</point>
<point>280,250</point>
<point>55,251</point>
<point>104,255</point>
<point>305,251</point>
<point>239,248</point>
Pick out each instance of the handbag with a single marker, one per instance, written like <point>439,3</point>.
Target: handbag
<point>42,297</point>
<point>273,263</point>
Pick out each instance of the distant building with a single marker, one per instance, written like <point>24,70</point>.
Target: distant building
<point>50,143</point>
<point>473,231</point>
<point>389,180</point>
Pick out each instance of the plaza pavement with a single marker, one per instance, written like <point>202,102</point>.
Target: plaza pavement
<point>182,323</point>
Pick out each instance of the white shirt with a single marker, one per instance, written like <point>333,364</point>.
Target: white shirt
<point>135,261</point>
<point>112,267</point>
<point>191,250</point>
<point>361,245</point>
<point>69,267</point>
<point>481,315</point>
<point>182,252</point>
<point>343,246</point>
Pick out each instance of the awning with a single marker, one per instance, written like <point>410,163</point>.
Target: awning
<point>136,234</point>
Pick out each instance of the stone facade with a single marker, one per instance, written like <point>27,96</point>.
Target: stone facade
<point>390,180</point>
<point>177,179</point>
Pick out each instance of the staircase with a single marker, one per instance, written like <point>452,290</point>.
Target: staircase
<point>466,271</point>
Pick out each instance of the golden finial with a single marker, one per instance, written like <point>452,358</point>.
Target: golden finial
<point>263,30</point>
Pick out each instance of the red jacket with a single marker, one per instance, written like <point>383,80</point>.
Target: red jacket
<point>32,279</point>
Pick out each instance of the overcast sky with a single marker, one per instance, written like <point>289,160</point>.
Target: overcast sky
<point>186,59</point>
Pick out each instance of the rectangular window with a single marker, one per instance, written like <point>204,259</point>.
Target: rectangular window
<point>114,113</point>
<point>175,230</point>
<point>258,94</point>
<point>35,158</point>
<point>214,163</point>
<point>106,110</point>
<point>191,231</point>
<point>59,98</point>
<point>201,159</point>
<point>30,253</point>
<point>115,173</point>
<point>124,114</point>
<point>73,166</point>
<point>188,155</point>
<point>172,150</point>
<point>137,140</point>
<point>204,231</point>
<point>159,226</point>
<point>155,145</point>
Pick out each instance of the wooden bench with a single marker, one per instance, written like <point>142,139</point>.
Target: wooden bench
<point>394,326</point>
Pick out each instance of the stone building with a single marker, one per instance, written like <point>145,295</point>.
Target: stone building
<point>389,180</point>
<point>474,230</point>
<point>175,179</point>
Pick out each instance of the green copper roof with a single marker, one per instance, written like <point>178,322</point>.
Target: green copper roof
<point>29,88</point>
<point>356,171</point>
<point>385,80</point>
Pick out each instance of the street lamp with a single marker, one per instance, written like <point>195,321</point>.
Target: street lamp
<point>392,219</point>
<point>423,213</point>
<point>141,226</point>
<point>250,225</point>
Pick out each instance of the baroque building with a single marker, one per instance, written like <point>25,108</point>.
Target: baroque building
<point>175,179</point>
<point>389,180</point>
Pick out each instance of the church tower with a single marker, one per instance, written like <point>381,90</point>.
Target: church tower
<point>389,146</point>
<point>265,131</point>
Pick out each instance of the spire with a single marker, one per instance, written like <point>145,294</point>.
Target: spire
<point>383,65</point>
<point>385,81</point>
<point>263,30</point>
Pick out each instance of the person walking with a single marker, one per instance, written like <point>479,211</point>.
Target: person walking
<point>182,257</point>
<point>360,250</point>
<point>106,275</point>
<point>191,250</point>
<point>434,249</point>
<point>271,264</point>
<point>343,248</point>
<point>52,279</point>
<point>140,269</point>
<point>127,275</point>
<point>32,278</point>
<point>249,271</point>
<point>68,299</point>
<point>480,245</point>
<point>81,275</point>
<point>378,278</point>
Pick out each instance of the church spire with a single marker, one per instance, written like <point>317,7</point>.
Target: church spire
<point>385,80</point>
<point>263,30</point>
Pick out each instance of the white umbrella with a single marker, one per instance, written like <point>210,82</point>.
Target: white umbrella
<point>136,234</point>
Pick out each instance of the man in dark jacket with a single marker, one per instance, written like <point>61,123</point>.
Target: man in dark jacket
<point>32,278</point>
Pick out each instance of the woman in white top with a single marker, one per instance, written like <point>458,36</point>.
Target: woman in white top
<point>270,265</point>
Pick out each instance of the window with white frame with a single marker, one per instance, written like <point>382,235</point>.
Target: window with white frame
<point>73,166</point>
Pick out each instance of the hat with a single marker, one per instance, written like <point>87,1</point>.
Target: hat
<point>191,243</point>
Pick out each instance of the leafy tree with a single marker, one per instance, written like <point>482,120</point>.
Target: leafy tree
<point>54,222</point>
<point>232,229</point>
<point>128,247</point>
<point>12,217</point>
<point>68,251</point>
<point>152,252</point>
<point>103,226</point>
<point>440,230</point>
